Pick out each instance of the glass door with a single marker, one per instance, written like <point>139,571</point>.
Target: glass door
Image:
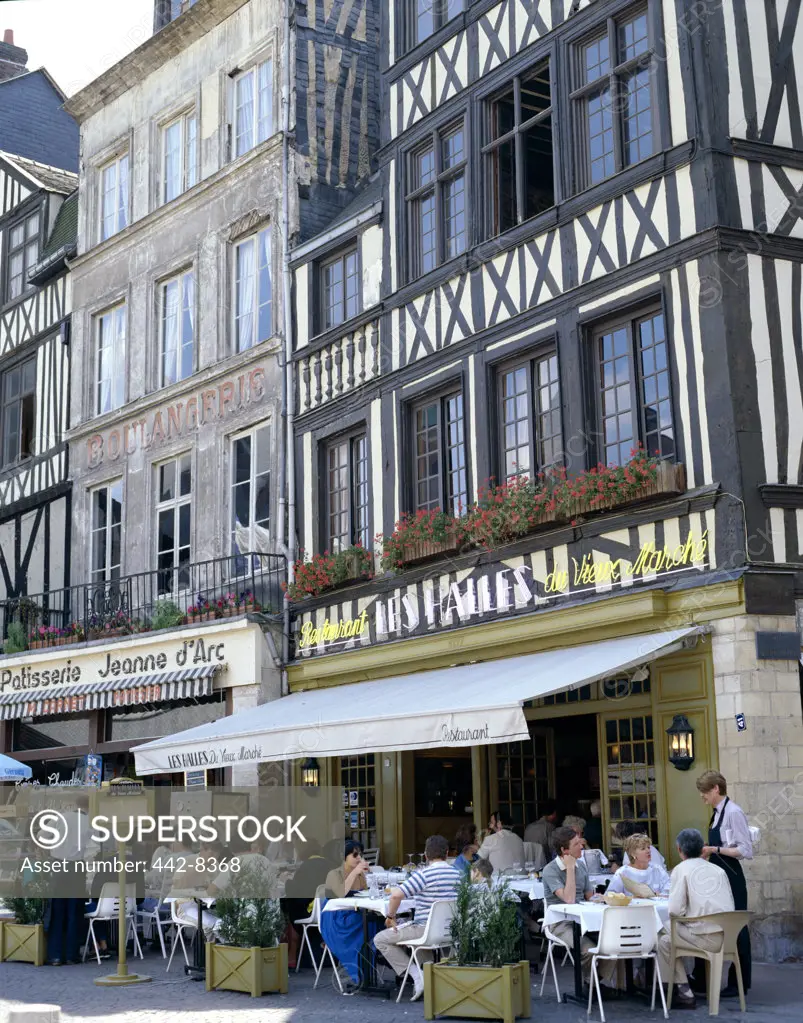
<point>629,789</point>
<point>522,776</point>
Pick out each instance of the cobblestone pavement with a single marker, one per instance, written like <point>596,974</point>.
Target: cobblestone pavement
<point>776,998</point>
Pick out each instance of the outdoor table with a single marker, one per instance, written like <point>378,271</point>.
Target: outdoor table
<point>365,903</point>
<point>587,916</point>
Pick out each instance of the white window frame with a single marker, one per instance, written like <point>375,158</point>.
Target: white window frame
<point>122,203</point>
<point>116,318</point>
<point>260,126</point>
<point>188,155</point>
<point>252,432</point>
<point>106,574</point>
<point>174,504</point>
<point>261,242</point>
<point>185,289</point>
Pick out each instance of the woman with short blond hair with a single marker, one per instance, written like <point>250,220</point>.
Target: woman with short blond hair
<point>640,877</point>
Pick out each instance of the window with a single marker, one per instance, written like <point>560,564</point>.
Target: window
<point>173,522</point>
<point>529,396</point>
<point>440,477</point>
<point>19,411</point>
<point>630,783</point>
<point>253,107</point>
<point>178,328</point>
<point>250,491</point>
<point>113,197</point>
<point>347,493</point>
<point>635,404</point>
<point>360,798</point>
<point>180,156</point>
<point>436,199</point>
<point>340,286</point>
<point>520,179</point>
<point>613,99</point>
<point>111,370</point>
<point>107,526</point>
<point>254,290</point>
<point>427,16</point>
<point>23,253</point>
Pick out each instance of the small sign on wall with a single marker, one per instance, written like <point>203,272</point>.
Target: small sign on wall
<point>741,723</point>
<point>777,646</point>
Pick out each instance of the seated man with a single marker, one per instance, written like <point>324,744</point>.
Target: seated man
<point>502,847</point>
<point>437,880</point>
<point>540,832</point>
<point>640,871</point>
<point>565,880</point>
<point>482,873</point>
<point>697,888</point>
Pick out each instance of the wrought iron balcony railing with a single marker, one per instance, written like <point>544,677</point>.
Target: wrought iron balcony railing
<point>164,598</point>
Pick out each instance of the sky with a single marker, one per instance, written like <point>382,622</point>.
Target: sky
<point>76,40</point>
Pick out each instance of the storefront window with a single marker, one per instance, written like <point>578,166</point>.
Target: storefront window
<point>522,778</point>
<point>357,778</point>
<point>630,759</point>
<point>49,733</point>
<point>153,722</point>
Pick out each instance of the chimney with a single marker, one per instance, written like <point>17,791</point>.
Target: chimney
<point>13,59</point>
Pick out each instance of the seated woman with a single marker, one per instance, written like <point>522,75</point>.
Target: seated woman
<point>623,830</point>
<point>640,877</point>
<point>342,931</point>
<point>467,844</point>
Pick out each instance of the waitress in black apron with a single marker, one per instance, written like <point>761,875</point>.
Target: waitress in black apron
<point>712,787</point>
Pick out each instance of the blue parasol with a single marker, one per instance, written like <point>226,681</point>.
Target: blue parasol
<point>12,770</point>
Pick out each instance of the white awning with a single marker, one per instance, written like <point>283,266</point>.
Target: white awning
<point>468,705</point>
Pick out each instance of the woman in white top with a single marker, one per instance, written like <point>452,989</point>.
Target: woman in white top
<point>640,869</point>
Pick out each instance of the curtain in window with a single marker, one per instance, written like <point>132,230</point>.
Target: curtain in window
<point>122,206</point>
<point>170,339</point>
<point>265,285</point>
<point>244,122</point>
<point>265,99</point>
<point>118,364</point>
<point>188,325</point>
<point>246,273</point>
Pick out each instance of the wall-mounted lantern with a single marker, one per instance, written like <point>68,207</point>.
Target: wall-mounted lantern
<point>681,742</point>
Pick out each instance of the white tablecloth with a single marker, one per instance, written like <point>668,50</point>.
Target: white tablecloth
<point>366,902</point>
<point>526,886</point>
<point>590,913</point>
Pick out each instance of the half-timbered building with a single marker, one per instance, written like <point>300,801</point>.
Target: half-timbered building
<point>584,239</point>
<point>37,234</point>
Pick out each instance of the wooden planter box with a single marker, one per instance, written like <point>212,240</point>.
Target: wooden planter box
<point>22,943</point>
<point>426,550</point>
<point>253,970</point>
<point>477,992</point>
<point>205,616</point>
<point>37,644</point>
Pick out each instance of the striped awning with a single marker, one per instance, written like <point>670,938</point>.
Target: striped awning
<point>118,692</point>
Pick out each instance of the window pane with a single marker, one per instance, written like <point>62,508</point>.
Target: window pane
<point>596,58</point>
<point>338,496</point>
<point>502,174</point>
<point>633,37</point>
<point>170,333</point>
<point>425,167</point>
<point>167,481</point>
<point>456,476</point>
<point>359,457</point>
<point>264,128</point>
<point>17,236</point>
<point>187,326</point>
<point>453,146</point>
<point>659,437</point>
<point>426,234</point>
<point>425,20</point>
<point>246,285</point>
<point>599,125</point>
<point>427,462</point>
<point>265,311</point>
<point>515,419</point>
<point>108,191</point>
<point>244,114</point>
<point>637,117</point>
<point>454,213</point>
<point>122,197</point>
<point>172,164</point>
<point>548,431</point>
<point>185,475</point>
<point>333,293</point>
<point>503,114</point>
<point>16,275</point>
<point>618,432</point>
<point>191,158</point>
<point>352,285</point>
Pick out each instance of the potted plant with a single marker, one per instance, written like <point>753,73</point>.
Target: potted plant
<point>200,611</point>
<point>166,615</point>
<point>44,636</point>
<point>250,957</point>
<point>105,624</point>
<point>328,571</point>
<point>23,940</point>
<point>249,602</point>
<point>420,537</point>
<point>228,605</point>
<point>16,642</point>
<point>73,633</point>
<point>485,979</point>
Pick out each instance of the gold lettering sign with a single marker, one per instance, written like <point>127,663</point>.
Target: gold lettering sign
<point>346,628</point>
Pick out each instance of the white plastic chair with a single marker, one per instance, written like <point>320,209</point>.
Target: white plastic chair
<point>178,938</point>
<point>627,932</point>
<point>552,942</point>
<point>437,935</point>
<point>313,920</point>
<point>731,924</point>
<point>108,909</point>
<point>371,856</point>
<point>152,918</point>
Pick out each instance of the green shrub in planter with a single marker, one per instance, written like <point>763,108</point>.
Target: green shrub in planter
<point>485,978</point>
<point>166,615</point>
<point>16,641</point>
<point>250,957</point>
<point>24,940</point>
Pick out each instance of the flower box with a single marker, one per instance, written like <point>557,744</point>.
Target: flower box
<point>424,550</point>
<point>22,943</point>
<point>107,633</point>
<point>202,616</point>
<point>37,644</point>
<point>477,992</point>
<point>252,970</point>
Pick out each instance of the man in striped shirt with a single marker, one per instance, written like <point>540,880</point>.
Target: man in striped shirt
<point>438,880</point>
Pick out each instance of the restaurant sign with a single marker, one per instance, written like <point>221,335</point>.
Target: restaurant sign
<point>455,598</point>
